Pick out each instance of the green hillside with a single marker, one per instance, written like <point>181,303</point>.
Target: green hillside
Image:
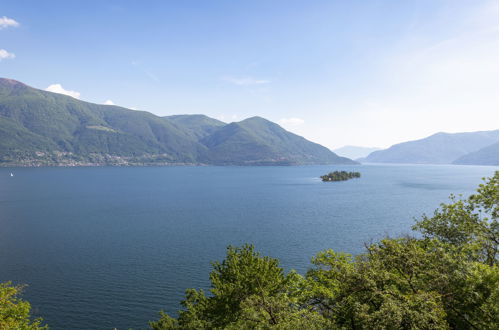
<point>43,128</point>
<point>33,122</point>
<point>197,126</point>
<point>265,142</point>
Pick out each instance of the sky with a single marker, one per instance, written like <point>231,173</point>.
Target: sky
<point>367,73</point>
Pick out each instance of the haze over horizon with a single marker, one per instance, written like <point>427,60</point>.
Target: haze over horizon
<point>336,73</point>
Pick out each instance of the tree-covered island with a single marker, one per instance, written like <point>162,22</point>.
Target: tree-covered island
<point>340,176</point>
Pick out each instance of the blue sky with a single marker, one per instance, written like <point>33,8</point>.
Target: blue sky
<point>369,73</point>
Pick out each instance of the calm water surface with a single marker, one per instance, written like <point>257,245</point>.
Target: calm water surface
<point>109,247</point>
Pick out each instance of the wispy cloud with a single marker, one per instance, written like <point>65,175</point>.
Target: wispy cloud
<point>6,22</point>
<point>151,75</point>
<point>109,102</point>
<point>57,88</point>
<point>245,81</point>
<point>5,55</point>
<point>292,121</point>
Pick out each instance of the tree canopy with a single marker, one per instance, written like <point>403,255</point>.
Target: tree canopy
<point>15,312</point>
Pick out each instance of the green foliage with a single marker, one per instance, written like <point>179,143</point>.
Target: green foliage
<point>447,279</point>
<point>378,290</point>
<point>470,225</point>
<point>247,291</point>
<point>15,312</point>
<point>340,176</point>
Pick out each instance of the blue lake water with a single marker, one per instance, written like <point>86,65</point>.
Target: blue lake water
<point>109,247</point>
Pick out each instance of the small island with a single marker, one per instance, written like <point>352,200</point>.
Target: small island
<point>340,176</point>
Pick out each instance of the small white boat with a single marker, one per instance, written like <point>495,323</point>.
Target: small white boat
<point>11,174</point>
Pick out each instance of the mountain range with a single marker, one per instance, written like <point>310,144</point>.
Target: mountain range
<point>354,152</point>
<point>40,128</point>
<point>470,148</point>
<point>485,156</point>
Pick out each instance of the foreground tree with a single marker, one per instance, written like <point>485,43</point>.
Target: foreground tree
<point>405,284</point>
<point>447,279</point>
<point>15,312</point>
<point>247,291</point>
<point>470,225</point>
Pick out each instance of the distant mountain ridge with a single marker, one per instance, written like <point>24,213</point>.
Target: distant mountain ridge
<point>354,152</point>
<point>42,128</point>
<point>485,156</point>
<point>443,148</point>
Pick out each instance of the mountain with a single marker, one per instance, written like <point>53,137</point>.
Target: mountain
<point>37,126</point>
<point>196,126</point>
<point>259,141</point>
<point>354,152</point>
<point>43,128</point>
<point>440,148</point>
<point>485,156</point>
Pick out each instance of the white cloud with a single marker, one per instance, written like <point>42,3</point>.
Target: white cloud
<point>293,121</point>
<point>109,102</point>
<point>5,55</point>
<point>246,81</point>
<point>57,88</point>
<point>5,22</point>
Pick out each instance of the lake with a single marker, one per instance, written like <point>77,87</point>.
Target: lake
<point>109,247</point>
